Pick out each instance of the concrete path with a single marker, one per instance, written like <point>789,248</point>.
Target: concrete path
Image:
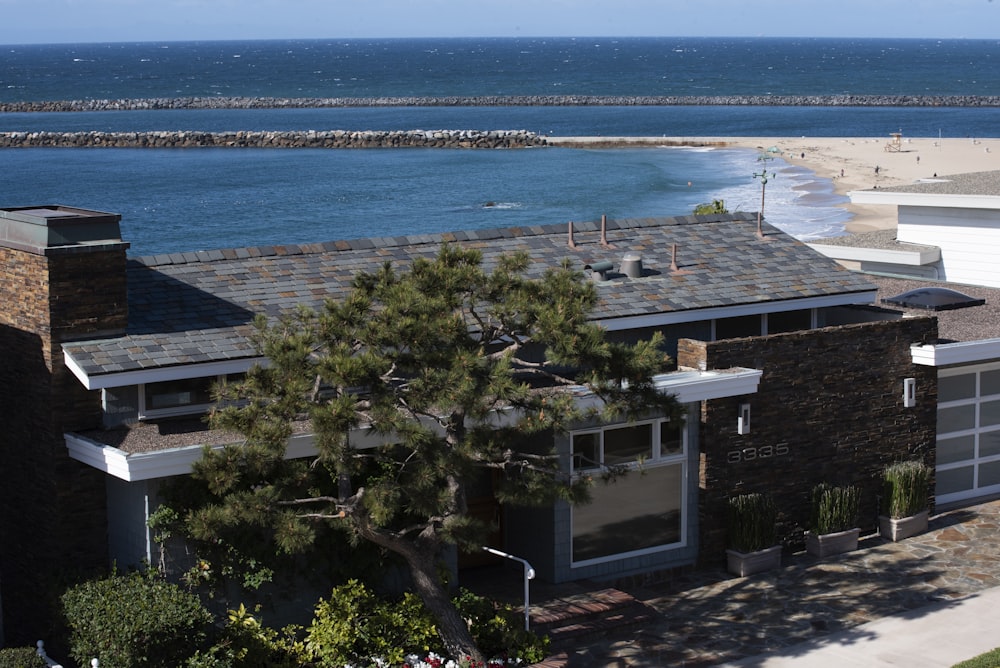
<point>937,636</point>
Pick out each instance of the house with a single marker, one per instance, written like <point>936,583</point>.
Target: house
<point>946,241</point>
<point>789,371</point>
<point>944,225</point>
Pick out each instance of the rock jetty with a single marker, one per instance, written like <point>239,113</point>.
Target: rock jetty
<point>504,101</point>
<point>494,139</point>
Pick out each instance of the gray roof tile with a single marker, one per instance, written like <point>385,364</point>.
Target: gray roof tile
<point>196,307</point>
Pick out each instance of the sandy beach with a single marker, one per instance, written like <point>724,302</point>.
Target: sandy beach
<point>851,162</point>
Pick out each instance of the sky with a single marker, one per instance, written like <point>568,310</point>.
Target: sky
<point>61,21</point>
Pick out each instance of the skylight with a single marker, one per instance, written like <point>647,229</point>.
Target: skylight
<point>933,299</point>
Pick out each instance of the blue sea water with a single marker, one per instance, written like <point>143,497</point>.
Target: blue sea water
<point>187,199</point>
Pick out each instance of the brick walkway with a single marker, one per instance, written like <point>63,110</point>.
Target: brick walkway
<point>709,617</point>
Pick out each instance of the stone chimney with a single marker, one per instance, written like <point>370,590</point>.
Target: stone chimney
<point>62,277</point>
<point>64,269</point>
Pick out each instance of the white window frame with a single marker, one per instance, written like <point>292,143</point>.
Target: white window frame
<point>656,460</point>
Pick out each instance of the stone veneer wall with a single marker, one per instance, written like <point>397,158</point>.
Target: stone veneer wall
<point>828,409</point>
<point>52,509</point>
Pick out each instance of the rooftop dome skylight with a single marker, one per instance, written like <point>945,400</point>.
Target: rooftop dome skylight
<point>933,299</point>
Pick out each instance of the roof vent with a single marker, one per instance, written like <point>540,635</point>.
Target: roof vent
<point>632,265</point>
<point>598,270</point>
<point>933,299</point>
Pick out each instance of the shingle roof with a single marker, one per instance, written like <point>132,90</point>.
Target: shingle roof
<point>198,307</point>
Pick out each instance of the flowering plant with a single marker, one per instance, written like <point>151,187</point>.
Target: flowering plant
<point>432,660</point>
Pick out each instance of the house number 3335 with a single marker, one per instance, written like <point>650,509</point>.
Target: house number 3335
<point>751,454</point>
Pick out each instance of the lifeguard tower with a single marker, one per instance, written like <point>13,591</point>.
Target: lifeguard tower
<point>895,144</point>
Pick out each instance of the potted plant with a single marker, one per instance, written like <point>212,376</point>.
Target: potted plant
<point>752,534</point>
<point>833,526</point>
<point>905,488</point>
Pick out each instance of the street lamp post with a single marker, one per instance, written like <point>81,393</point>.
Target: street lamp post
<point>529,574</point>
<point>763,176</point>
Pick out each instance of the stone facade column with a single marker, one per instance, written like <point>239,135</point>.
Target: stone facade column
<point>62,277</point>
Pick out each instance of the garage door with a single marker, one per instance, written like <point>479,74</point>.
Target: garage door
<point>968,433</point>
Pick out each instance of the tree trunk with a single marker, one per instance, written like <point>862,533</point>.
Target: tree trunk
<point>452,627</point>
<point>422,560</point>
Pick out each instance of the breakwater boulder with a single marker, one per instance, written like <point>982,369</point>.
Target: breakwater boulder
<point>493,139</point>
<point>504,101</point>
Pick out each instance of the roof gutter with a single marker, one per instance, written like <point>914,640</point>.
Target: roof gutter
<point>160,374</point>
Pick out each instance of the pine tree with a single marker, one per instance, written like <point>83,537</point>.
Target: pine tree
<point>455,369</point>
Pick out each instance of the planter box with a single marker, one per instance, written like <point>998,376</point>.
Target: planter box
<point>748,563</point>
<point>824,545</point>
<point>897,529</point>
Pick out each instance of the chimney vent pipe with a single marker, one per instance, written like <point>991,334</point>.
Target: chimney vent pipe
<point>632,265</point>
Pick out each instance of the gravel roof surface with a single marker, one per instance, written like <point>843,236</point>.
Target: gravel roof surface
<point>972,183</point>
<point>964,324</point>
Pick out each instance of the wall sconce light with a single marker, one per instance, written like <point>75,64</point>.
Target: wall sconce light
<point>909,392</point>
<point>743,421</point>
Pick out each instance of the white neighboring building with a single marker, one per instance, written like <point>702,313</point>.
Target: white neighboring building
<point>948,229</point>
<point>947,235</point>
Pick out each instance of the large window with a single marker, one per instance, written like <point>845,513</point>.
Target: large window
<point>641,511</point>
<point>179,397</point>
<point>968,428</point>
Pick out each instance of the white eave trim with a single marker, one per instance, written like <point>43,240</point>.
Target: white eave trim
<point>736,310</point>
<point>988,202</point>
<point>919,257</point>
<point>686,386</point>
<point>691,386</point>
<point>963,352</point>
<point>135,466</point>
<point>159,374</point>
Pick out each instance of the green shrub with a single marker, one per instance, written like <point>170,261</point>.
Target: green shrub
<point>499,630</point>
<point>752,522</point>
<point>354,625</point>
<point>134,620</point>
<point>905,488</point>
<point>246,643</point>
<point>21,657</point>
<point>834,509</point>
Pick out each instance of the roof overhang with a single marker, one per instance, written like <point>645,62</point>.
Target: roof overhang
<point>159,374</point>
<point>918,257</point>
<point>924,199</point>
<point>736,310</point>
<point>685,386</point>
<point>962,352</point>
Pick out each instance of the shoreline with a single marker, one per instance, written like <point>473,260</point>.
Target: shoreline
<point>849,162</point>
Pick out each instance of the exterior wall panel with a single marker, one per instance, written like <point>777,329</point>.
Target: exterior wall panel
<point>829,408</point>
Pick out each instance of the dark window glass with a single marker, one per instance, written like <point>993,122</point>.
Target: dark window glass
<point>586,451</point>
<point>789,321</point>
<point>735,328</point>
<point>178,393</point>
<point>635,512</point>
<point>625,445</point>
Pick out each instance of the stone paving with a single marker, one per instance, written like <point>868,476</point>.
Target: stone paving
<point>709,617</point>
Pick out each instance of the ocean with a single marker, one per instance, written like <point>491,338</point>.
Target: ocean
<point>175,200</point>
